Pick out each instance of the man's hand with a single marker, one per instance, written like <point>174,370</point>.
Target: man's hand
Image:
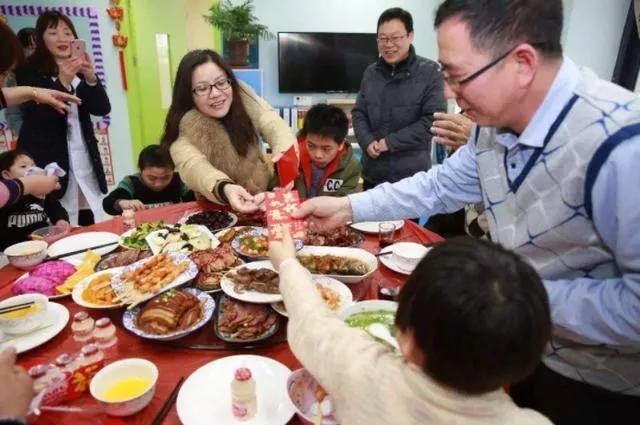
<point>131,204</point>
<point>325,213</point>
<point>382,146</point>
<point>240,199</point>
<point>372,149</point>
<point>16,390</point>
<point>282,250</point>
<point>451,130</point>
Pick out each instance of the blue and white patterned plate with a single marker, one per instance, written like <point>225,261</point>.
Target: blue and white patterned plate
<point>129,319</point>
<point>228,338</point>
<point>121,289</point>
<point>257,231</point>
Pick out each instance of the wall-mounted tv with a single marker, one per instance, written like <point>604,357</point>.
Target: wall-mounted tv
<point>323,62</point>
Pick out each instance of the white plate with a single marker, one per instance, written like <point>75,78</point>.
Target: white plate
<point>76,294</point>
<point>83,241</point>
<point>58,316</point>
<point>205,397</point>
<point>390,262</point>
<point>372,226</point>
<point>156,249</point>
<point>120,288</point>
<point>249,296</point>
<point>346,297</point>
<point>52,297</point>
<point>357,253</point>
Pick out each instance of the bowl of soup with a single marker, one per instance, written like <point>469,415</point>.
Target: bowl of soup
<point>363,314</point>
<point>27,255</point>
<point>125,387</point>
<point>23,313</point>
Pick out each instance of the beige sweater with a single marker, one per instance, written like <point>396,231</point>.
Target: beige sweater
<point>204,156</point>
<point>367,382</point>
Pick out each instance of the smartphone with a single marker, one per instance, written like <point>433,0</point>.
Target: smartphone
<point>78,48</point>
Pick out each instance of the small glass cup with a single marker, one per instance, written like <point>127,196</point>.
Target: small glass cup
<point>387,291</point>
<point>386,234</point>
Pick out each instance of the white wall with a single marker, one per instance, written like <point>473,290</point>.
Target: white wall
<point>594,30</point>
<point>591,36</point>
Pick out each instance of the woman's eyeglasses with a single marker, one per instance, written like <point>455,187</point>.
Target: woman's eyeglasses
<point>204,89</point>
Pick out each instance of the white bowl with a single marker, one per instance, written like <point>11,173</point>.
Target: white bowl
<point>115,372</point>
<point>27,255</point>
<point>301,387</point>
<point>408,254</point>
<point>368,305</point>
<point>28,323</point>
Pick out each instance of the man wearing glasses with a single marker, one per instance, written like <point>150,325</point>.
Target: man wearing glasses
<point>394,109</point>
<point>555,159</point>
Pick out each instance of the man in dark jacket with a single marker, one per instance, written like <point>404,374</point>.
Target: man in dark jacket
<point>394,109</point>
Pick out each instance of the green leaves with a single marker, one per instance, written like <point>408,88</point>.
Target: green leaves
<point>237,22</point>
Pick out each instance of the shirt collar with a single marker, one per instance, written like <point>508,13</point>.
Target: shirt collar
<point>559,94</point>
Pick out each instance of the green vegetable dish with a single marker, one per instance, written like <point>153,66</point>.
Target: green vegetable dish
<point>136,239</point>
<point>364,319</point>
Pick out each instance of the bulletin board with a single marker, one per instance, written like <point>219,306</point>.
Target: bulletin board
<point>85,21</point>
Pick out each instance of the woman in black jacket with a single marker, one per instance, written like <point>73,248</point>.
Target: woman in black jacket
<point>68,140</point>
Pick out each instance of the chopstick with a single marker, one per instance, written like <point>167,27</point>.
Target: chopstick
<point>80,251</point>
<point>427,245</point>
<point>17,307</point>
<point>168,404</point>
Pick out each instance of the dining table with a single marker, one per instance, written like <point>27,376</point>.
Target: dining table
<point>178,359</point>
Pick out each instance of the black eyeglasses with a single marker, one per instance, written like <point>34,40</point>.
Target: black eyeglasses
<point>457,84</point>
<point>204,89</point>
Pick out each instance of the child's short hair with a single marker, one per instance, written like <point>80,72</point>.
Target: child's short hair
<point>479,313</point>
<point>326,121</point>
<point>8,158</point>
<point>155,156</point>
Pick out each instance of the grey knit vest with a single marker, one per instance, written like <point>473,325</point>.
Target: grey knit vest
<point>545,216</point>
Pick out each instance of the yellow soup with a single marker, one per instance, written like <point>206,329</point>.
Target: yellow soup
<point>127,388</point>
<point>22,313</point>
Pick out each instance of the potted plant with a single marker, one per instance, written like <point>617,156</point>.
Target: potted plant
<point>238,26</point>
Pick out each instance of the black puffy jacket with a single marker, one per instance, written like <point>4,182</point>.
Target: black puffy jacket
<point>397,103</point>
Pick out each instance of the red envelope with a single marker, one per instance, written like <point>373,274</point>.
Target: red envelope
<point>280,204</point>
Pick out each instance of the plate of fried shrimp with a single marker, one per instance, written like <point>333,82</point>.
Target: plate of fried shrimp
<point>146,278</point>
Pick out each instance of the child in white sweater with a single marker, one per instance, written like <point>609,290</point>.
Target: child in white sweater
<point>472,317</point>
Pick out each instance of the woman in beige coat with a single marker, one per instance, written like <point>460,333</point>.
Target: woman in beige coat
<point>212,132</point>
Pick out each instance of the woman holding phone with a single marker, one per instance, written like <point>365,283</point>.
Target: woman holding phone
<point>61,63</point>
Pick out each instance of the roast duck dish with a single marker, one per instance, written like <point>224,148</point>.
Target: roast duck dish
<point>244,320</point>
<point>172,311</point>
<point>213,264</point>
<point>259,280</point>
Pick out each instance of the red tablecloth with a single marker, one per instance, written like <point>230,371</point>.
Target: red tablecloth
<point>171,361</point>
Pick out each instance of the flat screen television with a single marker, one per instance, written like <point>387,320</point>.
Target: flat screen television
<point>323,62</point>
